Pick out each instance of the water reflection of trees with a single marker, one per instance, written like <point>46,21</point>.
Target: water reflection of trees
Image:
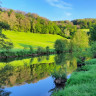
<point>68,64</point>
<point>67,61</point>
<point>10,75</point>
<point>4,93</point>
<point>31,70</point>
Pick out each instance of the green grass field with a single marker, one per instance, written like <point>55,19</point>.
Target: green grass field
<point>22,39</point>
<point>85,30</point>
<point>82,82</point>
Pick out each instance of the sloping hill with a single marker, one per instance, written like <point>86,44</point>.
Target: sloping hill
<point>22,40</point>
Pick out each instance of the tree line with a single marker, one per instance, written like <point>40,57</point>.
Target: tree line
<point>84,23</point>
<point>31,22</point>
<point>24,22</point>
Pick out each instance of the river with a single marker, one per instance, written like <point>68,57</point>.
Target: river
<point>32,76</point>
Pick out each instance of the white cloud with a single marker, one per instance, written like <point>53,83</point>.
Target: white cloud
<point>59,4</point>
<point>68,14</point>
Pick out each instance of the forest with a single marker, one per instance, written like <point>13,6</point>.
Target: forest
<point>30,22</point>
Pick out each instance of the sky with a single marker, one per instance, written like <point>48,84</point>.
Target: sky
<point>55,10</point>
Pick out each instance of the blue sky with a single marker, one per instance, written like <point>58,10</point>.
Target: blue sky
<point>55,9</point>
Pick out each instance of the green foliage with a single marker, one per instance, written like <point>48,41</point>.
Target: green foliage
<point>84,23</point>
<point>67,29</point>
<point>40,49</point>
<point>81,83</point>
<point>80,40</point>
<point>93,49</point>
<point>27,22</point>
<point>25,69</point>
<point>17,53</point>
<point>56,75</point>
<point>5,43</point>
<point>4,93</point>
<point>93,33</point>
<point>61,46</point>
<point>4,25</point>
<point>59,74</point>
<point>60,58</point>
<point>47,49</point>
<point>31,48</point>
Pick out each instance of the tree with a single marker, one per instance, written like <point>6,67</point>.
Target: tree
<point>5,43</point>
<point>61,46</point>
<point>4,17</point>
<point>13,21</point>
<point>20,17</point>
<point>38,27</point>
<point>4,25</point>
<point>80,40</point>
<point>93,32</point>
<point>27,24</point>
<point>45,29</point>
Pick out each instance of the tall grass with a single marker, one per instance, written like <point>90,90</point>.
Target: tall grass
<point>81,83</point>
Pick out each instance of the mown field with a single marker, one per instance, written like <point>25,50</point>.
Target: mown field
<point>23,40</point>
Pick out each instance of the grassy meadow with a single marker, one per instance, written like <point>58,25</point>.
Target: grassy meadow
<point>23,40</point>
<point>85,30</point>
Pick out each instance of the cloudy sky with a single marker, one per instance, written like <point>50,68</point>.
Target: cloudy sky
<point>55,9</point>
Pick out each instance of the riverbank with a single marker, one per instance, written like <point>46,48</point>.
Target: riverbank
<point>82,82</point>
<point>24,53</point>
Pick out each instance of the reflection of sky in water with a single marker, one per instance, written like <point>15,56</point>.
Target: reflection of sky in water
<point>40,88</point>
<point>68,76</point>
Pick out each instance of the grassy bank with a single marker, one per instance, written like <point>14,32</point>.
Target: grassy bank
<point>82,82</point>
<point>23,53</point>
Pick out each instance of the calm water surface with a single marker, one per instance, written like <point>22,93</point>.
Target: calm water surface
<point>31,76</point>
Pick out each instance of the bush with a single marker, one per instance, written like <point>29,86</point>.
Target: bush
<point>4,25</point>
<point>93,32</point>
<point>93,49</point>
<point>61,46</point>
<point>40,50</point>
<point>5,44</point>
<point>47,49</point>
<point>59,74</point>
<point>31,49</point>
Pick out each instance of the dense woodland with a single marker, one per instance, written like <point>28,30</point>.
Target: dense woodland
<point>84,23</point>
<point>24,22</point>
<point>31,22</point>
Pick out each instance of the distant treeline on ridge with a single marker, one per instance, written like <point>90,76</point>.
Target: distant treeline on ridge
<point>31,22</point>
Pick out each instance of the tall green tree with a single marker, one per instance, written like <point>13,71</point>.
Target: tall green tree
<point>80,40</point>
<point>5,43</point>
<point>93,33</point>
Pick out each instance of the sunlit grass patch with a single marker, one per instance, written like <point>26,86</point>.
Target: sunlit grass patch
<point>23,39</point>
<point>85,30</point>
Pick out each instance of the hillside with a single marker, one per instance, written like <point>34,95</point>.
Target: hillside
<point>22,40</point>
